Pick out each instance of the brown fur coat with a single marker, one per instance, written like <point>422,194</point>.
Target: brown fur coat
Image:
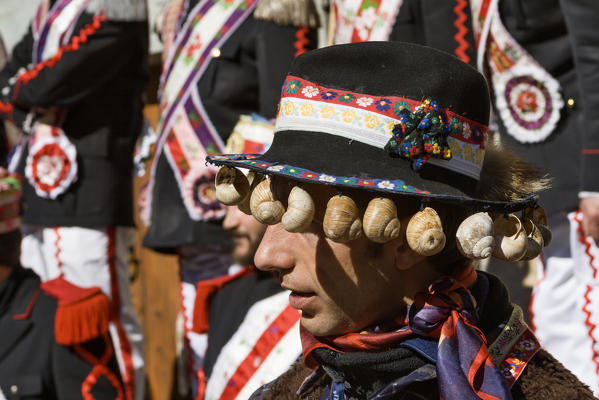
<point>544,378</point>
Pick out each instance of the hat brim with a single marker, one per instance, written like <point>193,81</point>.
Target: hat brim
<point>359,166</point>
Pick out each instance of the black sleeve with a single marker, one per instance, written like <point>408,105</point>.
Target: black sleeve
<point>20,59</point>
<point>276,47</point>
<point>103,51</point>
<point>74,371</point>
<point>582,20</point>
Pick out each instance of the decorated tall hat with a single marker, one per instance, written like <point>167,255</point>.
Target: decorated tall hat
<point>394,119</point>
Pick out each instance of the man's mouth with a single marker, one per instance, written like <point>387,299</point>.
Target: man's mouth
<point>299,300</point>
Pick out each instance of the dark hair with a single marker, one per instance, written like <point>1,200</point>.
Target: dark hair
<point>504,177</point>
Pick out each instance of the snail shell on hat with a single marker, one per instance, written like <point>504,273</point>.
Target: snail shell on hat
<point>263,205</point>
<point>546,233</point>
<point>539,217</point>
<point>380,221</point>
<point>510,238</point>
<point>425,233</point>
<point>244,206</point>
<point>300,211</point>
<point>534,243</point>
<point>474,236</point>
<point>342,220</point>
<point>232,187</point>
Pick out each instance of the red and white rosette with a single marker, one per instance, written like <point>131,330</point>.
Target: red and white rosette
<point>51,165</point>
<point>529,103</point>
<point>199,194</point>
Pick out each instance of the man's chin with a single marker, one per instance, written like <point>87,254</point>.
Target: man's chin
<point>317,327</point>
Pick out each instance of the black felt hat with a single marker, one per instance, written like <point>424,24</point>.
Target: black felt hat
<point>390,117</point>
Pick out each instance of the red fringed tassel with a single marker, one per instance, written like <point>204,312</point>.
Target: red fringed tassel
<point>83,314</point>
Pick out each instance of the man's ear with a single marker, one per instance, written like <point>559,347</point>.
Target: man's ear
<point>406,258</point>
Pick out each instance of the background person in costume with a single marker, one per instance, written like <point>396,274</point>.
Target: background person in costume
<point>222,60</point>
<point>379,256</point>
<point>74,85</point>
<point>541,60</point>
<point>252,330</point>
<point>32,363</point>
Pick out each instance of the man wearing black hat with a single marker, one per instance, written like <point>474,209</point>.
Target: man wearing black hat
<point>380,190</point>
<point>540,58</point>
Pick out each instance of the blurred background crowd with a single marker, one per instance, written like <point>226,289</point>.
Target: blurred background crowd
<point>122,276</point>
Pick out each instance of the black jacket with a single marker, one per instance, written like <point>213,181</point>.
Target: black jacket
<point>246,78</point>
<point>561,35</point>
<point>229,307</point>
<point>32,364</point>
<point>100,86</point>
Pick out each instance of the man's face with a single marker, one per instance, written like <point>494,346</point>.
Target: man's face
<point>246,234</point>
<point>338,287</point>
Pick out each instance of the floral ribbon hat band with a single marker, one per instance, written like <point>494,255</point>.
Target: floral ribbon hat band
<point>387,117</point>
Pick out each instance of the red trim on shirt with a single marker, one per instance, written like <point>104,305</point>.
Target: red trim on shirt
<point>27,312</point>
<point>460,36</point>
<point>99,369</point>
<point>6,108</point>
<point>265,344</point>
<point>76,41</point>
<point>590,151</point>
<point>587,301</point>
<point>301,40</point>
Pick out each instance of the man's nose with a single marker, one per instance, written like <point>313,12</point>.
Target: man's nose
<point>275,251</point>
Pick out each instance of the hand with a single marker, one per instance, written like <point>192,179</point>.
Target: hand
<point>3,173</point>
<point>589,206</point>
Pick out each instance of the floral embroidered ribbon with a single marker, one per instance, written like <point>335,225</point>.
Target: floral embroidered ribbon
<point>421,135</point>
<point>514,347</point>
<point>464,367</point>
<point>372,120</point>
